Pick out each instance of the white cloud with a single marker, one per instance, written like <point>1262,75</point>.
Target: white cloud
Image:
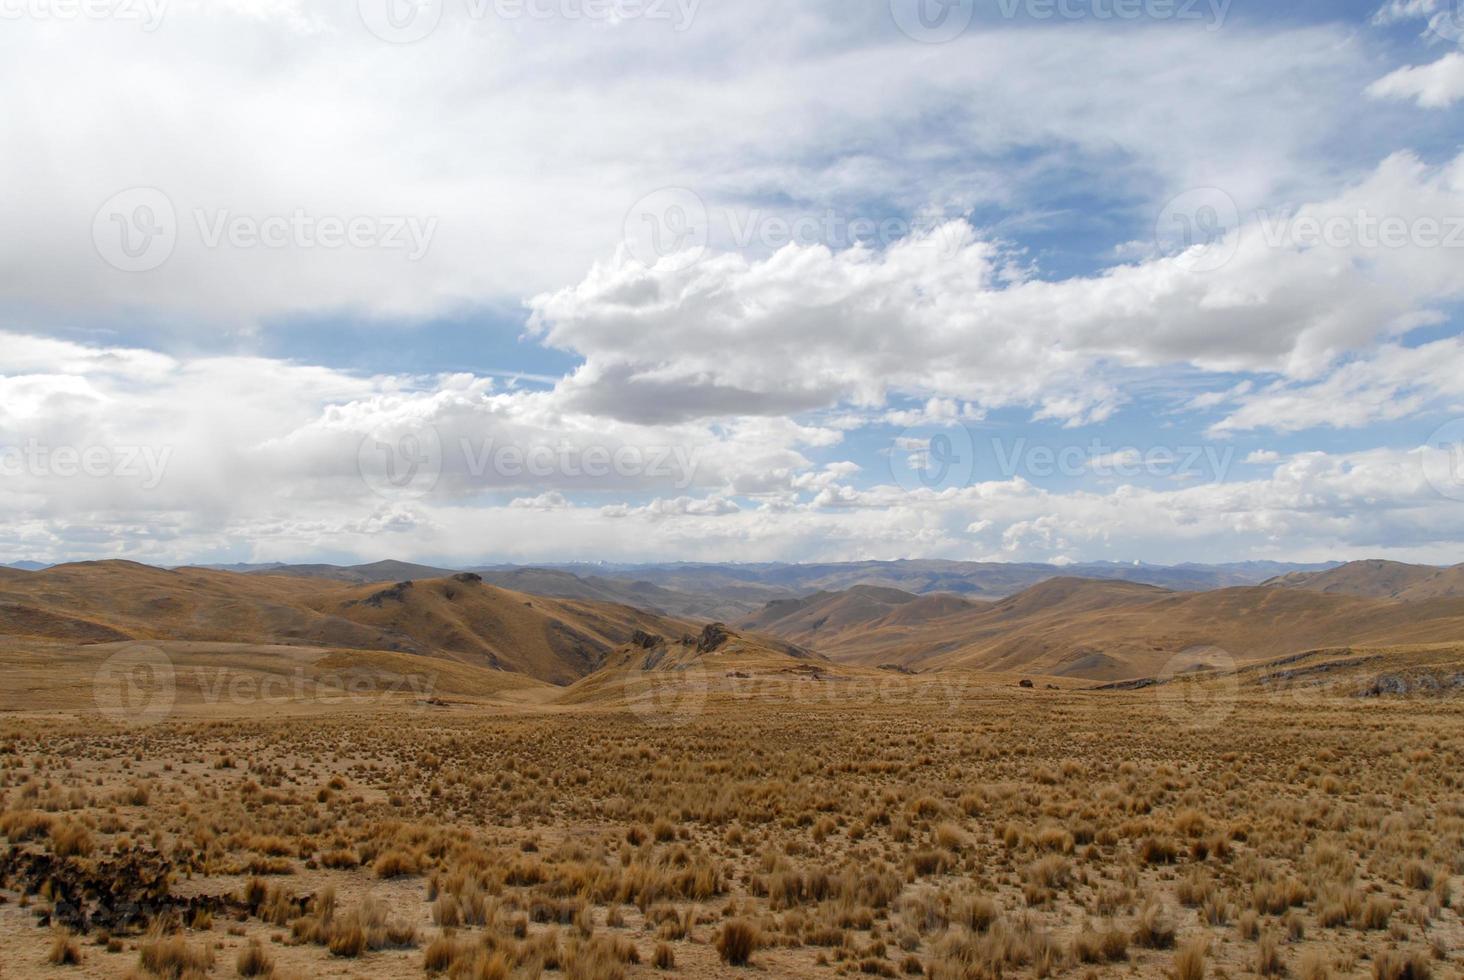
<point>267,453</point>
<point>529,142</point>
<point>809,327</point>
<point>1391,383</point>
<point>1435,86</point>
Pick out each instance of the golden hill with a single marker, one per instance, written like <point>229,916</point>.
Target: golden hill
<point>241,679</point>
<point>458,618</point>
<point>1104,630</point>
<point>1344,673</point>
<point>1380,580</point>
<point>658,675</point>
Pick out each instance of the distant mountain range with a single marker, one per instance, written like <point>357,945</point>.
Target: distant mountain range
<point>458,618</point>
<point>1380,580</point>
<point>1098,628</point>
<point>1106,629</point>
<point>732,591</point>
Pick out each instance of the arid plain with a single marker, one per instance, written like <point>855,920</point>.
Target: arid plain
<point>214,774</point>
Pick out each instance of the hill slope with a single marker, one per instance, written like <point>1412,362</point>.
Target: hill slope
<point>1373,579</point>
<point>459,618</point>
<point>1113,630</point>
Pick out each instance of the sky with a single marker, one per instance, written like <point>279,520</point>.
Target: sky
<point>464,281</point>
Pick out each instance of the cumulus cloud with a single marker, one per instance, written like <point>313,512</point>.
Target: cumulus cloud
<point>746,400</point>
<point>271,468</point>
<point>811,327</point>
<point>1392,383</point>
<point>524,143</point>
<point>1435,86</point>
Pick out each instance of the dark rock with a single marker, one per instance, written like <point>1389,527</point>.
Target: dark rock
<point>713,637</point>
<point>397,593</point>
<point>646,641</point>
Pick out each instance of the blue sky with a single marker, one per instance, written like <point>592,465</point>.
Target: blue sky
<point>817,283</point>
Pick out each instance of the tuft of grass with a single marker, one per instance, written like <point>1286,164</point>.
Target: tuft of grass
<point>1396,965</point>
<point>172,958</point>
<point>664,958</point>
<point>736,942</point>
<point>64,951</point>
<point>397,863</point>
<point>253,961</point>
<point>71,840</point>
<point>1153,929</point>
<point>1189,962</point>
<point>1268,956</point>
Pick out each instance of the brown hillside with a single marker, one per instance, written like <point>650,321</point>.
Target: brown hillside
<point>556,640</point>
<point>1374,578</point>
<point>1109,631</point>
<point>458,618</point>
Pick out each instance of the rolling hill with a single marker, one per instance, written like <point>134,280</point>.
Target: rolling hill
<point>1108,630</point>
<point>765,583</point>
<point>655,674</point>
<point>459,618</point>
<point>1063,627</point>
<point>1379,580</point>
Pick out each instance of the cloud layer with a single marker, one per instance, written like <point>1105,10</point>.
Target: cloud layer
<point>1064,290</point>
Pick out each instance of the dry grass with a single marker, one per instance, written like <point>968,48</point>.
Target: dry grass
<point>736,942</point>
<point>173,957</point>
<point>825,838</point>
